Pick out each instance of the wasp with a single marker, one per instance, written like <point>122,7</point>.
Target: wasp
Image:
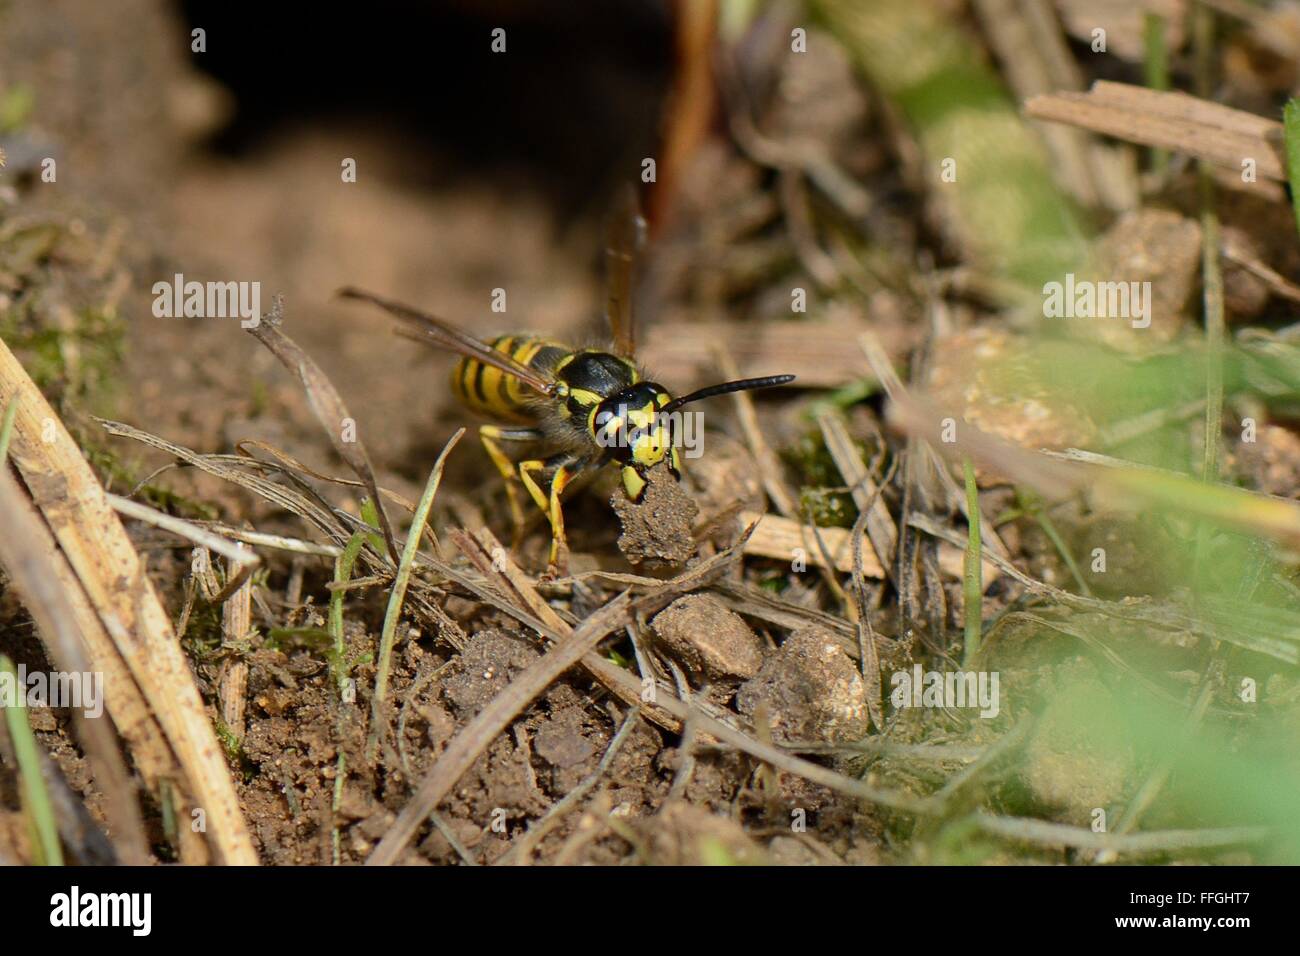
<point>590,407</point>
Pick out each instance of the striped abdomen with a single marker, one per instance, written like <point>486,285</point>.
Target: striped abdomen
<point>495,394</point>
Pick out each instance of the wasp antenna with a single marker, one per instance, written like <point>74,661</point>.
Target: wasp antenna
<point>723,388</point>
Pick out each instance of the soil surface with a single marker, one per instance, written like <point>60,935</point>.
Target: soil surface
<point>484,201</point>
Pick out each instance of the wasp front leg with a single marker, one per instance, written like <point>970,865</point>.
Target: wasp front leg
<point>566,468</point>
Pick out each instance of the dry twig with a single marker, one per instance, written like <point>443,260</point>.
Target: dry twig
<point>133,642</point>
<point>1173,121</point>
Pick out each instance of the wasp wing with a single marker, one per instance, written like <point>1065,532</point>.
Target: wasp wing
<point>625,239</point>
<point>431,330</point>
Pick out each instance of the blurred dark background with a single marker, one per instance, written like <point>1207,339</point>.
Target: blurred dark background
<point>576,99</point>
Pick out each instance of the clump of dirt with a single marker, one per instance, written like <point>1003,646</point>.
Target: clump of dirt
<point>989,378</point>
<point>1271,463</point>
<point>685,835</point>
<point>808,689</point>
<point>658,527</point>
<point>1156,246</point>
<point>1065,767</point>
<point>713,641</point>
<point>485,668</point>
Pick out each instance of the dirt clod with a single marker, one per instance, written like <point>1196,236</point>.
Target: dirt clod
<point>658,527</point>
<point>990,379</point>
<point>1156,246</point>
<point>682,834</point>
<point>1065,768</point>
<point>1271,461</point>
<point>560,742</point>
<point>712,640</point>
<point>490,659</point>
<point>810,690</point>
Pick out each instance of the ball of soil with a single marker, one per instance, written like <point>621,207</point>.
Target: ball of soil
<point>709,638</point>
<point>809,689</point>
<point>658,527</point>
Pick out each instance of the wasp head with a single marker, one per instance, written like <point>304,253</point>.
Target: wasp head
<point>630,427</point>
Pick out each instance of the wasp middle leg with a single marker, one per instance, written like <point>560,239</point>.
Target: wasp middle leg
<point>566,468</point>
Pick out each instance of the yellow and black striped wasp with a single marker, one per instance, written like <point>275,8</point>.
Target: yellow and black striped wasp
<point>590,407</point>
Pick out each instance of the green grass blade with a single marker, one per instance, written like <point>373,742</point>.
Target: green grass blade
<point>972,572</point>
<point>342,574</point>
<point>398,594</point>
<point>46,848</point>
<point>7,427</point>
<point>1291,140</point>
<point>1155,65</point>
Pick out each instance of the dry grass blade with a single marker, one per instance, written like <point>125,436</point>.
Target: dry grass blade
<point>244,561</point>
<point>236,470</point>
<point>183,528</point>
<point>492,560</point>
<point>772,476</point>
<point>1174,121</point>
<point>898,393</point>
<point>126,705</point>
<point>1155,841</point>
<point>769,466</point>
<point>328,407</point>
<point>867,650</point>
<point>1027,38</point>
<point>99,552</point>
<point>302,500</point>
<point>881,530</point>
<point>292,465</point>
<point>236,623</point>
<point>35,573</point>
<point>778,537</point>
<point>1248,511</point>
<point>262,539</point>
